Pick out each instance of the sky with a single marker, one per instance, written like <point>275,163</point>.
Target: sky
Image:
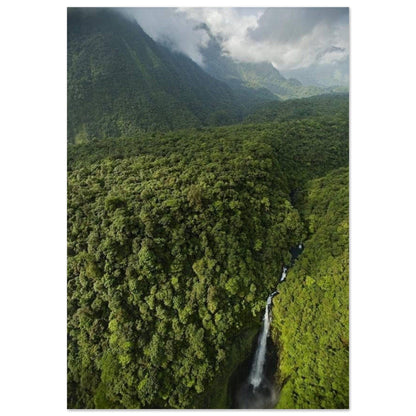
<point>299,41</point>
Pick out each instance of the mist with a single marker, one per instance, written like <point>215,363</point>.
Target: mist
<point>292,39</point>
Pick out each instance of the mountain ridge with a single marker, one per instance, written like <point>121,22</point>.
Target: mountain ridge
<point>121,82</point>
<point>252,74</point>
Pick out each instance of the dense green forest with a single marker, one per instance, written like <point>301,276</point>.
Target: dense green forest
<point>321,106</point>
<point>310,316</point>
<point>121,82</point>
<point>174,242</point>
<point>186,196</point>
<point>306,148</point>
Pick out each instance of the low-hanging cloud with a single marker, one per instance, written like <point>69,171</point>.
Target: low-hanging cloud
<point>166,25</point>
<point>289,38</point>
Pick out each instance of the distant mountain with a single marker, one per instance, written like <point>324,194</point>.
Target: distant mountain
<point>121,82</point>
<point>252,75</point>
<point>334,75</point>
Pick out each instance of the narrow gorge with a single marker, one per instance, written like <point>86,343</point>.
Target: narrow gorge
<point>259,389</point>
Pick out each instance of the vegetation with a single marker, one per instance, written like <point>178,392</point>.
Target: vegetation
<point>304,149</point>
<point>319,106</point>
<point>174,241</point>
<point>310,316</point>
<point>178,229</point>
<point>120,82</point>
<point>170,258</point>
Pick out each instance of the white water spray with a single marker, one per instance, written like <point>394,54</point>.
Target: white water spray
<point>256,374</point>
<point>258,390</point>
<point>284,273</point>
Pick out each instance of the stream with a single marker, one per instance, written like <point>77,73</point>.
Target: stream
<point>253,383</point>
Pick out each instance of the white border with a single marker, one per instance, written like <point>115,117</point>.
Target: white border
<point>33,203</point>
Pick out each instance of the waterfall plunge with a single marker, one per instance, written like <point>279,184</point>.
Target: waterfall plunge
<point>258,391</point>
<point>283,274</point>
<point>256,374</point>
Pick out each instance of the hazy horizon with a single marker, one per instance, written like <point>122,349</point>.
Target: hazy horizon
<point>307,43</point>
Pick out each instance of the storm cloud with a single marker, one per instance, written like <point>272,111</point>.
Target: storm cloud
<point>289,38</point>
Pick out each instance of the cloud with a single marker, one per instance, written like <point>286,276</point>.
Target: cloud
<point>290,38</point>
<point>166,25</point>
<point>225,23</point>
<point>300,37</point>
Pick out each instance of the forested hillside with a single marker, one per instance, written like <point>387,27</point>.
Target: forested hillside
<point>121,82</point>
<point>170,258</point>
<point>310,316</point>
<point>187,194</point>
<point>174,242</point>
<point>319,106</point>
<point>306,148</point>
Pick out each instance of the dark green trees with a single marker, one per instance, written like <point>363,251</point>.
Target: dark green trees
<point>171,255</point>
<point>310,316</point>
<point>319,106</point>
<point>174,242</point>
<point>120,82</point>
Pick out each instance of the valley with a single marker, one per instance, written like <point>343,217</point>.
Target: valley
<point>186,199</point>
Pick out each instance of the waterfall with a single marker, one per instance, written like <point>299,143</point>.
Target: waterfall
<point>256,373</point>
<point>258,390</point>
<point>284,273</point>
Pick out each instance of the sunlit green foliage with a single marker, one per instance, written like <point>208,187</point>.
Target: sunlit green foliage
<point>304,149</point>
<point>172,252</point>
<point>174,242</point>
<point>310,316</point>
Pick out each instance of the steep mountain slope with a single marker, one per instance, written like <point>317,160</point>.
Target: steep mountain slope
<point>252,75</point>
<point>120,81</point>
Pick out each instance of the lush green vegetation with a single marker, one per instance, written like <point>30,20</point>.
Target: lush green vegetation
<point>320,106</point>
<point>174,242</point>
<point>170,258</point>
<point>178,229</point>
<point>310,316</point>
<point>305,149</point>
<point>120,82</point>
